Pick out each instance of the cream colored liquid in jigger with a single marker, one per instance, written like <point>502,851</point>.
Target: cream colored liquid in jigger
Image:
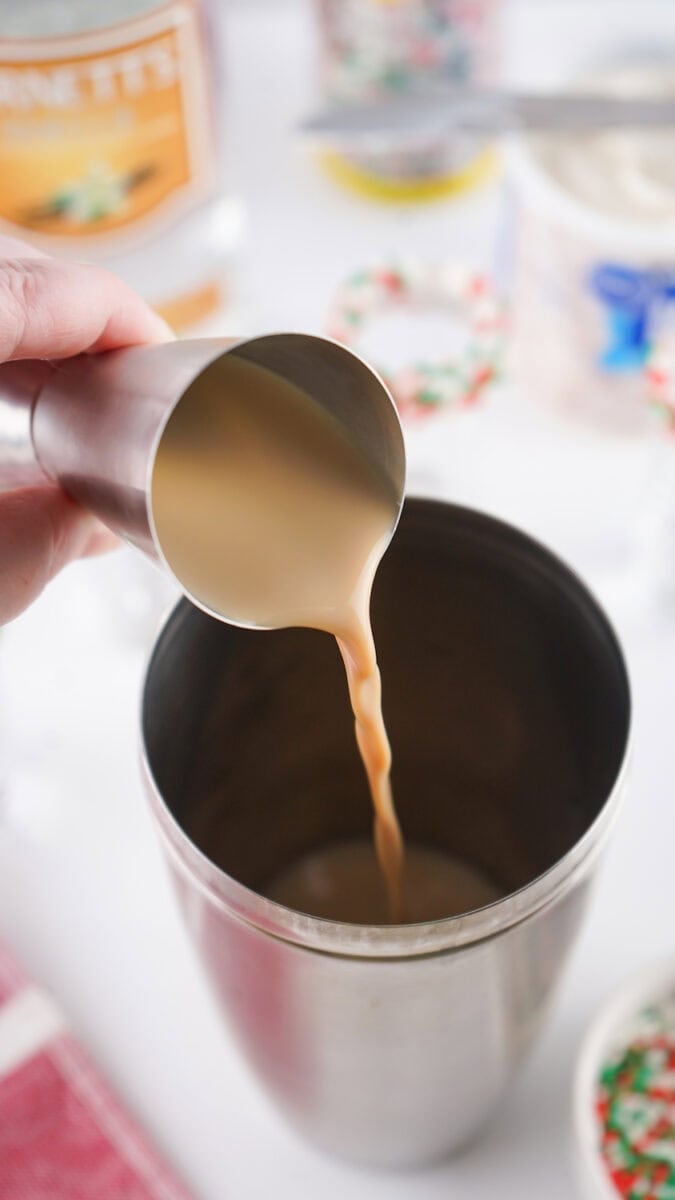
<point>269,513</point>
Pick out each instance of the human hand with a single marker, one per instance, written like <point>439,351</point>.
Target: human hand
<point>51,309</point>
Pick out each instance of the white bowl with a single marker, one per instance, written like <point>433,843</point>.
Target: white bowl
<point>607,1034</point>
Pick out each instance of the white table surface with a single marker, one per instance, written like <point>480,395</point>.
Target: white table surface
<point>84,900</point>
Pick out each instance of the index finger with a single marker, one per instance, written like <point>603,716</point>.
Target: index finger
<point>54,309</point>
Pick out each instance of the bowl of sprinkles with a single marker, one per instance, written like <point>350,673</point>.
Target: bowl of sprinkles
<point>624,1104</point>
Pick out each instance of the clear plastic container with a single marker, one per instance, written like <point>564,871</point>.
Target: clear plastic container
<point>594,277</point>
<point>375,48</point>
<point>110,143</point>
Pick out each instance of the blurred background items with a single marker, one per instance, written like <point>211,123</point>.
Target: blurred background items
<point>518,296</point>
<point>111,143</point>
<point>378,48</point>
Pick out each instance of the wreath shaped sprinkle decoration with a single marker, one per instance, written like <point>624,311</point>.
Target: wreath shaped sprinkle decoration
<point>422,388</point>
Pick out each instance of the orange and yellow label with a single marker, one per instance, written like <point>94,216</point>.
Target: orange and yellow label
<point>106,130</point>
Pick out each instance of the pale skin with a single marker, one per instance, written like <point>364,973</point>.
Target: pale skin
<point>50,309</point>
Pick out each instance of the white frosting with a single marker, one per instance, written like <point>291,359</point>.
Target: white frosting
<point>626,173</point>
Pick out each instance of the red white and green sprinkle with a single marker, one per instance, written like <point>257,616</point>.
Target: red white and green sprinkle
<point>420,388</point>
<point>635,1107</point>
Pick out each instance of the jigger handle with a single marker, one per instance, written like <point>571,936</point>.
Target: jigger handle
<point>91,424</point>
<point>20,386</point>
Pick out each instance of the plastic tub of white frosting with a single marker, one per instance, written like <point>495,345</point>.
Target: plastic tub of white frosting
<point>593,259</point>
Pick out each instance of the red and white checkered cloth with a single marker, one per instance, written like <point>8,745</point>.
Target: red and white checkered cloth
<point>63,1136</point>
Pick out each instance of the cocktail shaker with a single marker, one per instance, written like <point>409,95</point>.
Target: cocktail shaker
<point>94,424</point>
<point>508,707</point>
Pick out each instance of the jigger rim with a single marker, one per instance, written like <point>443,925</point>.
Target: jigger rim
<point>410,940</point>
<point>223,347</point>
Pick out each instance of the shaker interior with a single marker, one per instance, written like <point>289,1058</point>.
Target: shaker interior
<point>505,696</point>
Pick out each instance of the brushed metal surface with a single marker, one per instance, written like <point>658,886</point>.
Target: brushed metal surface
<point>508,706</point>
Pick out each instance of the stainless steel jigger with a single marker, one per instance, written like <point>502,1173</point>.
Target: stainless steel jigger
<point>94,424</point>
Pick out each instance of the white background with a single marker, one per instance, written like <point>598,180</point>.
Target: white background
<point>84,901</point>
